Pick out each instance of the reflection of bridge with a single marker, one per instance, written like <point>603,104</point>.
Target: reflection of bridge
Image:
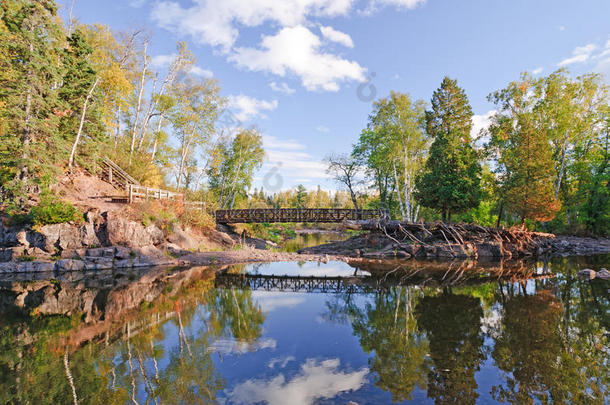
<point>299,284</point>
<point>294,215</point>
<point>356,285</point>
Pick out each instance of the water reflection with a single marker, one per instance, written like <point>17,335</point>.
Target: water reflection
<point>431,333</point>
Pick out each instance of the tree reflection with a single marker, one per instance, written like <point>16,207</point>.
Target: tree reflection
<point>453,326</point>
<point>388,328</point>
<point>552,346</point>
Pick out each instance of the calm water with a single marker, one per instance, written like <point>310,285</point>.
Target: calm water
<point>302,333</point>
<point>303,240</point>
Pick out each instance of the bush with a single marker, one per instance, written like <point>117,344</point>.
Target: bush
<point>52,210</point>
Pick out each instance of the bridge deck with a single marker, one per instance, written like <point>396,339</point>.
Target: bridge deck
<point>294,215</point>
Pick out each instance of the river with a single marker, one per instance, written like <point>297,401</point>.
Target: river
<point>303,333</point>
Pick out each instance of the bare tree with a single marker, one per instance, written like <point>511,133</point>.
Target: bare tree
<point>344,169</point>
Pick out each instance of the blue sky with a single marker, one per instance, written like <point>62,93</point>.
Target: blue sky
<point>304,71</point>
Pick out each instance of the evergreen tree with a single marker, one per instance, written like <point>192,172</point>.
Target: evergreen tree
<point>300,196</point>
<point>79,81</point>
<point>450,181</point>
<point>31,42</point>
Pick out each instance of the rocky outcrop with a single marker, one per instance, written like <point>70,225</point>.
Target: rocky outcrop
<point>102,241</point>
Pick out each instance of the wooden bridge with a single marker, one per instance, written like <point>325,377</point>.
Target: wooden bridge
<point>294,215</point>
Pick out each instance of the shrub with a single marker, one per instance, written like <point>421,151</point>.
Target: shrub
<point>52,210</point>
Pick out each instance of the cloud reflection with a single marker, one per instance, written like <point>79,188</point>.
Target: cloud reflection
<point>316,380</point>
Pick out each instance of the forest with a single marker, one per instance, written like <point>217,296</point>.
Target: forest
<point>72,93</point>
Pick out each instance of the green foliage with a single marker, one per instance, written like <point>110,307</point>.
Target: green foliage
<point>52,210</point>
<point>450,181</point>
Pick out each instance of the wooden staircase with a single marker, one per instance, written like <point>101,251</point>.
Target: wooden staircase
<point>113,174</point>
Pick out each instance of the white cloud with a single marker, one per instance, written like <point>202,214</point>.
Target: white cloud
<point>161,61</point>
<point>227,346</point>
<point>537,71</point>
<point>271,142</point>
<point>316,380</point>
<point>297,164</point>
<point>579,55</point>
<point>136,3</point>
<point>249,107</point>
<point>296,50</point>
<point>337,36</point>
<point>215,22</point>
<point>291,49</point>
<point>592,56</point>
<point>270,301</point>
<point>401,3</point>
<point>281,88</point>
<point>322,128</point>
<point>480,122</point>
<point>281,361</point>
<point>561,28</point>
<point>197,71</point>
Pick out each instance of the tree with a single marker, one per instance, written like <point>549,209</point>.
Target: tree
<point>524,155</point>
<point>32,38</point>
<point>231,173</point>
<point>450,181</point>
<point>79,83</point>
<point>399,121</point>
<point>300,197</point>
<point>344,169</point>
<point>197,105</point>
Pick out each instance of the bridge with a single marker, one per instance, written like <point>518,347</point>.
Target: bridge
<point>335,285</point>
<point>354,284</point>
<point>294,215</point>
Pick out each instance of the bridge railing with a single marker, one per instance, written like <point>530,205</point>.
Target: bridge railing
<point>294,215</point>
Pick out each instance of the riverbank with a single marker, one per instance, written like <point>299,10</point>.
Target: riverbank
<point>107,240</point>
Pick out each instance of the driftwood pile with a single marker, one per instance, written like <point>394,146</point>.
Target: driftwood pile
<point>434,232</point>
<point>390,238</point>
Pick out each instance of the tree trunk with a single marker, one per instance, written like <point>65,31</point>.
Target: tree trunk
<point>82,121</point>
<point>500,213</point>
<point>139,105</point>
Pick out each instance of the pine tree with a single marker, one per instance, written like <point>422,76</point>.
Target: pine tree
<point>450,181</point>
<point>32,38</point>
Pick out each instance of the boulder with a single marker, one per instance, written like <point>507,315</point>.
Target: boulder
<point>587,274</point>
<point>124,232</point>
<point>603,274</point>
<point>70,265</point>
<point>489,249</point>
<point>183,239</point>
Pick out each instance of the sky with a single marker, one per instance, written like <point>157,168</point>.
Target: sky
<point>306,72</point>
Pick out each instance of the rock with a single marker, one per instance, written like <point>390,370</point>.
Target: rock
<point>453,250</point>
<point>587,274</point>
<point>70,265</point>
<point>100,252</point>
<point>124,232</point>
<point>489,249</point>
<point>603,274</point>
<point>11,253</point>
<point>183,239</point>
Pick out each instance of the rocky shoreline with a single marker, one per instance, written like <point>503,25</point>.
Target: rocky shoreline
<point>109,241</point>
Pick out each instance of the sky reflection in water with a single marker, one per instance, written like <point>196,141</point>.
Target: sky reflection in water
<point>540,341</point>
